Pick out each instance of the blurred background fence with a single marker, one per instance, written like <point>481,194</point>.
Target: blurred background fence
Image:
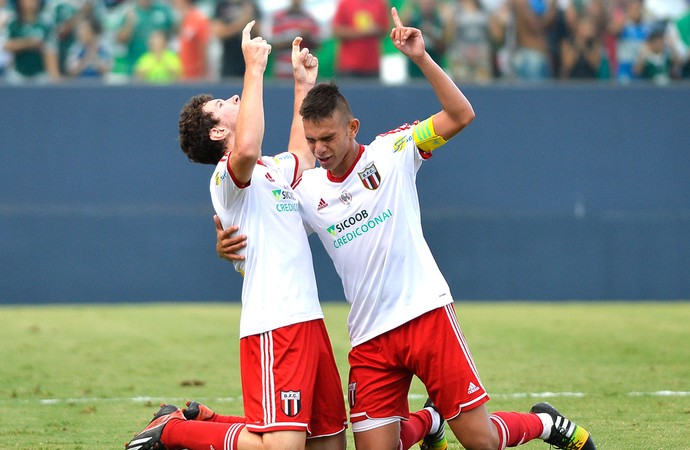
<point>555,192</point>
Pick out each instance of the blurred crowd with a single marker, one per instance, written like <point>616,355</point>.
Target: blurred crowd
<point>476,41</point>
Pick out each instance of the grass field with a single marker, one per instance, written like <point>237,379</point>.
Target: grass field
<point>86,377</point>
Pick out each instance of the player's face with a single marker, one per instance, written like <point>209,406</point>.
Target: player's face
<point>332,142</point>
<point>224,110</point>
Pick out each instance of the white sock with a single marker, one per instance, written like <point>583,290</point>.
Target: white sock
<point>547,420</point>
<point>435,419</point>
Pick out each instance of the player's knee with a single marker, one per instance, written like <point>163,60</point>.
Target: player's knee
<point>386,437</point>
<point>478,442</point>
<point>474,430</point>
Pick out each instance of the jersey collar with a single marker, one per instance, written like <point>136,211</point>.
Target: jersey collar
<point>335,179</point>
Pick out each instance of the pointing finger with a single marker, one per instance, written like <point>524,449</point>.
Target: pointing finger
<point>396,18</point>
<point>247,30</point>
<point>295,44</point>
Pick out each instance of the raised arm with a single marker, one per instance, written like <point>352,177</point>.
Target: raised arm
<point>305,68</point>
<point>250,118</point>
<point>456,111</point>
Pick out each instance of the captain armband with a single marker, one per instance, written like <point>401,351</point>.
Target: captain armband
<point>425,136</point>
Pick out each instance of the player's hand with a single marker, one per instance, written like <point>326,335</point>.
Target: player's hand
<point>305,66</point>
<point>407,39</point>
<point>255,50</point>
<point>228,245</point>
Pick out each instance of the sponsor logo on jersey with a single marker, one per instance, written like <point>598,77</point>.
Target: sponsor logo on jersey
<point>291,402</point>
<point>220,177</point>
<point>286,201</point>
<point>356,226</point>
<point>280,194</point>
<point>282,157</point>
<point>472,388</point>
<point>322,205</point>
<point>371,179</point>
<point>400,143</point>
<point>270,178</point>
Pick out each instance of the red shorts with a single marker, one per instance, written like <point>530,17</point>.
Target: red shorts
<point>431,347</point>
<point>290,381</point>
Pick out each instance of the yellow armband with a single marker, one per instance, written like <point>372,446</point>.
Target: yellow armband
<point>425,136</point>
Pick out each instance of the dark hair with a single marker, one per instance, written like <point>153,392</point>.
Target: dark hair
<point>322,101</point>
<point>195,125</point>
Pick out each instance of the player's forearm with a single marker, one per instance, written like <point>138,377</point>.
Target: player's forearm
<point>250,119</point>
<point>298,142</point>
<point>457,111</point>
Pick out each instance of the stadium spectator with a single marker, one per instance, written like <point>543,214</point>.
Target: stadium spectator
<point>6,16</point>
<point>291,387</point>
<point>229,19</point>
<point>679,41</point>
<point>581,52</point>
<point>631,31</point>
<point>193,39</point>
<point>362,200</point>
<point>89,57</point>
<point>655,61</point>
<point>141,18</point>
<point>595,13</point>
<point>288,23</point>
<point>358,27</point>
<point>64,15</point>
<point>32,45</point>
<point>427,15</point>
<point>159,64</point>
<point>532,20</point>
<point>470,32</point>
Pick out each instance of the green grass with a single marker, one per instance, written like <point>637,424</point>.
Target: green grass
<point>85,377</point>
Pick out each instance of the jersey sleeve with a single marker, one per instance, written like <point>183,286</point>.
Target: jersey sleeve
<point>224,189</point>
<point>287,164</point>
<point>402,143</point>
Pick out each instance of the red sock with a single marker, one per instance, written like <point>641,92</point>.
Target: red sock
<point>201,435</point>
<point>516,428</point>
<point>227,419</point>
<point>414,429</point>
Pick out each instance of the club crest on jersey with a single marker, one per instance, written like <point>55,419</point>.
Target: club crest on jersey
<point>370,177</point>
<point>351,389</point>
<point>291,402</point>
<point>346,198</point>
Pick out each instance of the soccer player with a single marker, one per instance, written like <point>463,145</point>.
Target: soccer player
<point>363,205</point>
<point>290,383</point>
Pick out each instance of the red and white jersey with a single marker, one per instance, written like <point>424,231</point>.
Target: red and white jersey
<point>370,224</point>
<point>279,286</point>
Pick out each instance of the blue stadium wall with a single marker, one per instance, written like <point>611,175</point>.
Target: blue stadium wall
<point>553,193</point>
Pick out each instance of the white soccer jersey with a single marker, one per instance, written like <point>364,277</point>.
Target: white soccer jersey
<point>370,224</point>
<point>279,286</point>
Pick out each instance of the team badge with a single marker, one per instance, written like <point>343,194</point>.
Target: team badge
<point>291,402</point>
<point>346,198</point>
<point>370,177</point>
<point>351,388</point>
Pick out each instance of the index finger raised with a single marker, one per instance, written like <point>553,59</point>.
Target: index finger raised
<point>247,30</point>
<point>396,18</point>
<point>296,44</point>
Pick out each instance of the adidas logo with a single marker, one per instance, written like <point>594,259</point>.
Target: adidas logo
<point>472,388</point>
<point>322,205</point>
